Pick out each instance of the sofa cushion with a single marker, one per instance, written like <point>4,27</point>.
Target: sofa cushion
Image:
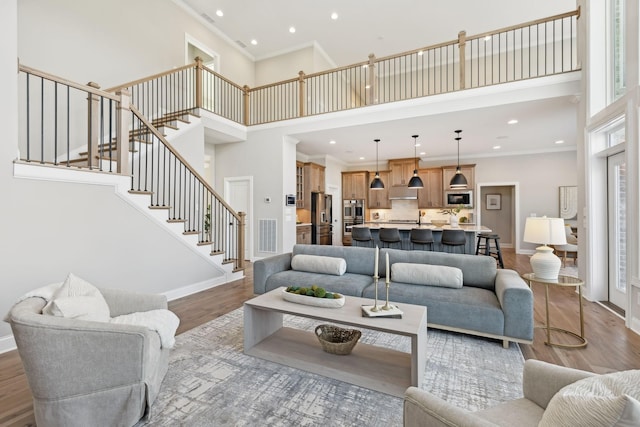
<point>426,274</point>
<point>359,260</point>
<point>78,299</point>
<point>610,399</point>
<point>319,264</point>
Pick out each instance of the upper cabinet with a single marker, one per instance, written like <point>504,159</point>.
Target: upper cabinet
<point>299,185</point>
<point>467,170</point>
<point>379,199</point>
<point>354,185</point>
<point>401,171</point>
<point>431,196</point>
<point>313,178</point>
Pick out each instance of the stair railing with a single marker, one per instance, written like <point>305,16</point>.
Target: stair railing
<point>173,184</point>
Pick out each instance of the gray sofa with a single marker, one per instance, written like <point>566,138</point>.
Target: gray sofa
<point>494,303</point>
<point>85,373</point>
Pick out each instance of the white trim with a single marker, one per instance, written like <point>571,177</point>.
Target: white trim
<point>7,343</point>
<point>249,215</point>
<point>516,201</point>
<point>184,291</point>
<point>190,40</point>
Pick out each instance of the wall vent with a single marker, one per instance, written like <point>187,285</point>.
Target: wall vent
<point>242,45</point>
<point>207,18</point>
<point>267,229</point>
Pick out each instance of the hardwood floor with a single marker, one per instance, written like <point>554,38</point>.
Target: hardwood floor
<point>612,347</point>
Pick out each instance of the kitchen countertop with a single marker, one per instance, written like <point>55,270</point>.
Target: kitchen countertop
<point>406,226</point>
<point>299,224</point>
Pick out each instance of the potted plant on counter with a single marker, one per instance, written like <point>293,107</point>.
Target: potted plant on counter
<point>453,215</point>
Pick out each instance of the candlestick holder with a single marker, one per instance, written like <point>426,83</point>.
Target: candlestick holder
<point>387,306</point>
<point>375,284</point>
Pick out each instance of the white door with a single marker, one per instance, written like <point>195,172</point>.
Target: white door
<point>616,189</point>
<point>238,193</point>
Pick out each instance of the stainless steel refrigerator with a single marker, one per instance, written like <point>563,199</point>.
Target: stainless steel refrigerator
<point>321,219</point>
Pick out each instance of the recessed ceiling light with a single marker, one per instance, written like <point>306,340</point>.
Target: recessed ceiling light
<point>361,158</point>
<point>254,42</point>
<point>496,147</point>
<point>422,153</point>
<point>332,142</point>
<point>219,13</point>
<point>420,53</point>
<point>292,30</point>
<point>334,16</point>
<point>367,87</point>
<point>487,38</point>
<point>417,144</point>
<point>560,141</point>
<point>512,121</point>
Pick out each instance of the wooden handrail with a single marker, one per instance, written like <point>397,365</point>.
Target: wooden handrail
<point>527,24</point>
<point>173,151</point>
<point>283,82</point>
<point>221,77</point>
<point>53,78</point>
<point>153,77</point>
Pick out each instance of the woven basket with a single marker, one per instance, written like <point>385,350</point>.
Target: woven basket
<point>337,340</point>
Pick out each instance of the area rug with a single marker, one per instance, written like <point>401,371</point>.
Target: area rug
<point>211,382</point>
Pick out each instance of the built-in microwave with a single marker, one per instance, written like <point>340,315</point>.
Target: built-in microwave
<point>456,198</point>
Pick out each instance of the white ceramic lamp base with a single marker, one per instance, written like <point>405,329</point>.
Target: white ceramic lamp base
<point>545,264</point>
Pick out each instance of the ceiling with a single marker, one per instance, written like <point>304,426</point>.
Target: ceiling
<point>384,28</point>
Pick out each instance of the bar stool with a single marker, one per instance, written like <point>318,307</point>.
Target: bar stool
<point>361,236</point>
<point>453,239</point>
<point>483,247</point>
<point>390,236</point>
<point>421,236</point>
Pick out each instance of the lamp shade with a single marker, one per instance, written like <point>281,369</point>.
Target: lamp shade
<point>376,183</point>
<point>458,180</point>
<point>415,181</point>
<point>546,231</point>
<point>543,230</point>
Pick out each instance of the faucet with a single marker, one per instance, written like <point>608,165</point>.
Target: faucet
<point>419,217</point>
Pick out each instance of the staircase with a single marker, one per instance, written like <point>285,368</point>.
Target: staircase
<point>162,183</point>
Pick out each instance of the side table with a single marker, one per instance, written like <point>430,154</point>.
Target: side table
<point>562,280</point>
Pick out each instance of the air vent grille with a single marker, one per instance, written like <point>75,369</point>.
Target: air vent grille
<point>242,45</point>
<point>267,229</point>
<point>207,18</point>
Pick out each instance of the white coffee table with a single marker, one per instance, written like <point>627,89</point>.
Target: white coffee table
<point>377,368</point>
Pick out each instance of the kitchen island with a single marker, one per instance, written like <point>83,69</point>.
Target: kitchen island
<point>471,230</point>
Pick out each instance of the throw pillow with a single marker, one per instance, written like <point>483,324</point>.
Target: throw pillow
<point>319,264</point>
<point>610,400</point>
<point>427,274</point>
<point>78,299</point>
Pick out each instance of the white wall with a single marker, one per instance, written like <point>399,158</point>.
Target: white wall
<point>114,42</point>
<point>284,67</point>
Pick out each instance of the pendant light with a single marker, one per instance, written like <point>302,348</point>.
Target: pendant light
<point>458,181</point>
<point>376,183</point>
<point>415,181</point>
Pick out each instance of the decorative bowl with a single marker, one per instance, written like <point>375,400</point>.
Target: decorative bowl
<point>439,222</point>
<point>337,340</point>
<point>313,301</point>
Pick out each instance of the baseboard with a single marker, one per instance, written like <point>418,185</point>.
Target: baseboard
<point>194,288</point>
<point>7,343</point>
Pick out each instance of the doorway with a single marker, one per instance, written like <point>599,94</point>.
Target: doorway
<point>617,236</point>
<point>500,215</point>
<point>238,192</point>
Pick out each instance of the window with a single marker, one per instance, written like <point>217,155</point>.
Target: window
<point>615,133</point>
<point>616,52</point>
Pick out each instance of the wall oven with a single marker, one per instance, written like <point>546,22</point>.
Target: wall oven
<point>353,209</point>
<point>455,198</point>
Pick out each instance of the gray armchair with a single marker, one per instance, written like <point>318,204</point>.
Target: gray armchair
<point>90,373</point>
<point>541,381</point>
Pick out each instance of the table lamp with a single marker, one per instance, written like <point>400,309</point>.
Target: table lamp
<point>547,231</point>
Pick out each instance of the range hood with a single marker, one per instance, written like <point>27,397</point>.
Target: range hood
<point>403,193</point>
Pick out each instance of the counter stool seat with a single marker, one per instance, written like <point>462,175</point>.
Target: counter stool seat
<point>361,236</point>
<point>422,237</point>
<point>452,239</point>
<point>390,236</point>
<point>483,247</point>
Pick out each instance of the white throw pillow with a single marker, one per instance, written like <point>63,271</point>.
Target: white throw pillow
<point>603,400</point>
<point>319,264</point>
<point>426,274</point>
<point>78,299</point>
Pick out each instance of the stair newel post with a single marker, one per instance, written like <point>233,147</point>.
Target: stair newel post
<point>122,137</point>
<point>302,92</point>
<point>240,237</point>
<point>372,81</point>
<point>462,40</point>
<point>199,87</point>
<point>93,128</point>
<point>247,104</point>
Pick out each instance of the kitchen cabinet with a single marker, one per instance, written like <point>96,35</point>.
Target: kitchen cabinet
<point>379,199</point>
<point>431,196</point>
<point>401,171</point>
<point>299,185</point>
<point>467,170</point>
<point>303,234</point>
<point>313,176</point>
<point>354,185</point>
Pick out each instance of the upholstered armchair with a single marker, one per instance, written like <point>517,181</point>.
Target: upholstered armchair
<point>569,250</point>
<point>89,373</point>
<point>541,381</point>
